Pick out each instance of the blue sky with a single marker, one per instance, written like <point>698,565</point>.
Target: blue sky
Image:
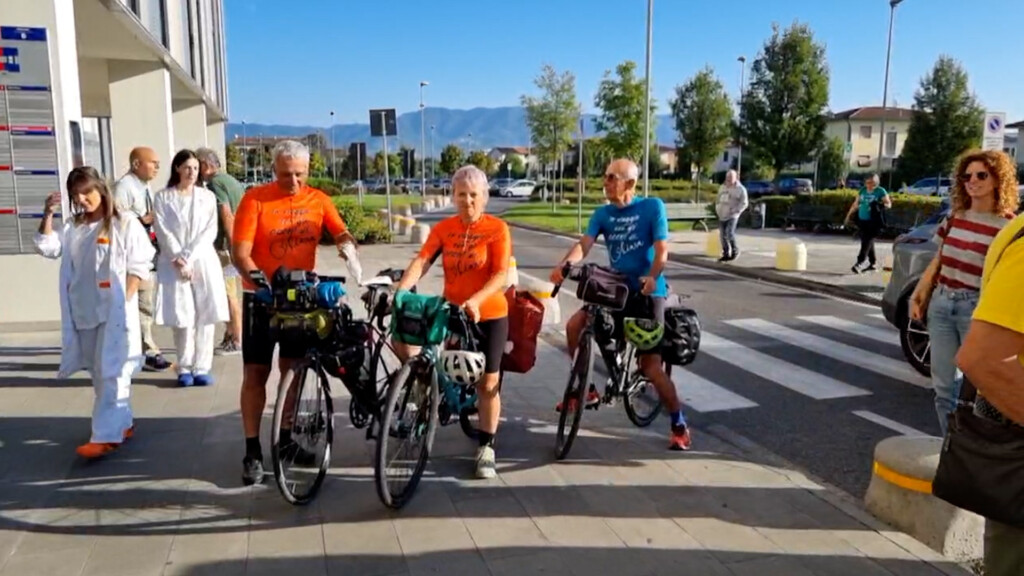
<point>294,64</point>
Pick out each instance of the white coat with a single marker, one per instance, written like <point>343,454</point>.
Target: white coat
<point>203,300</point>
<point>130,253</point>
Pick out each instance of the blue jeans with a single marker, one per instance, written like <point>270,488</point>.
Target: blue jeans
<point>727,232</point>
<point>949,318</point>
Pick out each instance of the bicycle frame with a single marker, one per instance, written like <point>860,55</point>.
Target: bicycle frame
<point>616,359</point>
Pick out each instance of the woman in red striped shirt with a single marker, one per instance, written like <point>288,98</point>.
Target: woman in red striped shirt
<point>983,199</point>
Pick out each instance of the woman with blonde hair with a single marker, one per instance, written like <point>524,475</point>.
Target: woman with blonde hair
<point>983,199</point>
<point>103,258</point>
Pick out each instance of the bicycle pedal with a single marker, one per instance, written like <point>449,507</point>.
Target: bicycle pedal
<point>595,406</point>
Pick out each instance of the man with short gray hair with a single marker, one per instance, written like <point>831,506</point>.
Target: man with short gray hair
<point>228,191</point>
<point>277,225</point>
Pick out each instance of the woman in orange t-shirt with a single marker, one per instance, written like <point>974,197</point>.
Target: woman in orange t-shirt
<point>475,249</point>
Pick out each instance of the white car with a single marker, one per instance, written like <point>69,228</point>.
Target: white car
<point>927,187</point>
<point>519,188</point>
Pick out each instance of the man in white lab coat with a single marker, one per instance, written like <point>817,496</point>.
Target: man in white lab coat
<point>133,196</point>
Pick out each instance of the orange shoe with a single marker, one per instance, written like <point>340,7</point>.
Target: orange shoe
<point>94,450</point>
<point>679,438</point>
<point>129,432</point>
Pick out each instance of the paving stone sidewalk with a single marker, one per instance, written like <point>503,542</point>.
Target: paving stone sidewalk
<point>170,502</point>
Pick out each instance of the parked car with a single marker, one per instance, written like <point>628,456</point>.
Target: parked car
<point>911,254</point>
<point>929,187</point>
<point>759,188</point>
<point>794,186</point>
<point>519,188</point>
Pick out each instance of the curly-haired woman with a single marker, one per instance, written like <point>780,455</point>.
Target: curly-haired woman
<point>983,199</point>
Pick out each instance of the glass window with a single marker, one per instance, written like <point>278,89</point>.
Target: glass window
<point>154,17</point>
<point>196,12</point>
<point>890,144</point>
<point>187,46</point>
<point>865,131</point>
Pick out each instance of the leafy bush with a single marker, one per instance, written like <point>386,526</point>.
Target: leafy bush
<point>365,226</point>
<point>907,210</point>
<point>329,187</point>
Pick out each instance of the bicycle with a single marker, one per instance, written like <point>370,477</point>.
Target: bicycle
<point>424,389</point>
<point>308,308</point>
<point>625,380</point>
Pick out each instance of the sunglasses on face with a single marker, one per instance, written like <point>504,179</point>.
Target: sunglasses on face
<point>981,176</point>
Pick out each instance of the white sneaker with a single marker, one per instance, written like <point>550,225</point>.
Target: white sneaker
<point>485,463</point>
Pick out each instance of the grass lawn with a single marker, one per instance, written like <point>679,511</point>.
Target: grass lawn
<point>564,218</point>
<point>378,201</point>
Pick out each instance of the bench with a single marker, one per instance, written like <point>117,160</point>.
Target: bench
<point>696,212</point>
<point>810,216</point>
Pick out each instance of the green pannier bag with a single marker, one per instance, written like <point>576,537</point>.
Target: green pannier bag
<point>419,320</point>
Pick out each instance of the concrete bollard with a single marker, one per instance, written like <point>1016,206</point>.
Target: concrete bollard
<point>405,211</point>
<point>383,212</point>
<point>428,205</point>
<point>713,245</point>
<point>446,201</point>
<point>419,234</point>
<point>900,494</point>
<point>512,278</point>
<point>790,255</point>
<point>541,290</point>
<point>405,225</point>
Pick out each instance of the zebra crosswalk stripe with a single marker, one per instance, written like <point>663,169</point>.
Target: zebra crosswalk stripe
<point>882,335</point>
<point>884,365</point>
<point>704,396</point>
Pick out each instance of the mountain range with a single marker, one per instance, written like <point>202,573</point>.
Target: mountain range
<point>474,129</point>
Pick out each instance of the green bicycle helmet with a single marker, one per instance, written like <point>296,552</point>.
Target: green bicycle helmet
<point>643,333</point>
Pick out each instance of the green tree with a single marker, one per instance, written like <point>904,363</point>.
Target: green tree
<point>394,165</point>
<point>622,118</point>
<point>832,164</point>
<point>451,159</point>
<point>512,167</point>
<point>596,156</point>
<point>782,114</point>
<point>552,117</point>
<point>233,161</point>
<point>317,166</point>
<point>946,121</point>
<point>481,160</point>
<point>703,119</point>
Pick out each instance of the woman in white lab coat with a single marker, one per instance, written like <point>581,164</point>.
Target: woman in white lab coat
<point>103,257</point>
<point>190,295</point>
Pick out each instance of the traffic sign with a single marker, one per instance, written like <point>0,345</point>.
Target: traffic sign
<point>848,150</point>
<point>994,131</point>
<point>383,122</point>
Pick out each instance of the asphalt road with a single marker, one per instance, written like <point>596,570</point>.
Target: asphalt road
<point>815,380</point>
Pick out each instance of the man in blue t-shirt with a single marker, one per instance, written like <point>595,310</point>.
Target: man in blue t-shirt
<point>635,231</point>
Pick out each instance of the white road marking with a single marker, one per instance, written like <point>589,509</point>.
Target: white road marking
<point>791,376</point>
<point>889,367</point>
<point>887,423</point>
<point>704,395</point>
<point>879,316</point>
<point>871,332</point>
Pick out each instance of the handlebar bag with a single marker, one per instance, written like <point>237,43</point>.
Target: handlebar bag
<point>419,320</point>
<point>603,287</point>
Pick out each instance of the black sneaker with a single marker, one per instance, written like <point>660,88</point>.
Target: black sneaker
<point>870,268</point>
<point>156,363</point>
<point>855,269</point>
<point>252,471</point>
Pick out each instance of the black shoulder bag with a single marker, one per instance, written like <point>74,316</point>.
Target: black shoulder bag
<point>981,464</point>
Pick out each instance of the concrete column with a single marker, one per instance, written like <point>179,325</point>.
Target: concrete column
<point>141,113</point>
<point>216,140</point>
<point>189,121</point>
<point>30,297</point>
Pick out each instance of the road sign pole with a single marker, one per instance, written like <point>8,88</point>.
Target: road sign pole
<point>387,171</point>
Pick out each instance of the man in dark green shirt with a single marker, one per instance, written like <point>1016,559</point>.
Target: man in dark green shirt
<point>228,192</point>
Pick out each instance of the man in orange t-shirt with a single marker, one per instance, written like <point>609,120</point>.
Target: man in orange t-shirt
<point>278,224</point>
<point>475,248</point>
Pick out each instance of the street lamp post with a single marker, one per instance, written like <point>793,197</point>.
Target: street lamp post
<point>885,89</point>
<point>743,76</point>
<point>433,162</point>
<point>334,166</point>
<point>423,140</point>
<point>245,155</point>
<point>647,100</point>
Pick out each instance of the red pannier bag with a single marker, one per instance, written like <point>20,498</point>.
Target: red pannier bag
<point>525,317</point>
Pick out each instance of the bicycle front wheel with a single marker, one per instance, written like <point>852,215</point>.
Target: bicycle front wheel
<point>574,399</point>
<point>407,427</point>
<point>303,432</point>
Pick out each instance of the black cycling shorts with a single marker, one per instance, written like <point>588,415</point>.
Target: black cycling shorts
<point>640,306</point>
<point>493,336</point>
<point>257,347</point>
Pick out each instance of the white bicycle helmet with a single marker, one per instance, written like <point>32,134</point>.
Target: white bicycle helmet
<point>462,367</point>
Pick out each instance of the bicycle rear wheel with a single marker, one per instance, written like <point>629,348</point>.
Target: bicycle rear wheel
<point>574,399</point>
<point>304,412</point>
<point>409,414</point>
<point>639,397</point>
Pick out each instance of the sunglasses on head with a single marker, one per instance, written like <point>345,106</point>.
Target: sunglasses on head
<point>966,176</point>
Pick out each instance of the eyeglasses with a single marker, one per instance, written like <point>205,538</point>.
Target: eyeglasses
<point>966,176</point>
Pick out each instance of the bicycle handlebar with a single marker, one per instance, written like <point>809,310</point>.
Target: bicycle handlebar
<point>566,268</point>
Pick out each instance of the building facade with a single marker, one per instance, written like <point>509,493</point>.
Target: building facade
<point>87,81</point>
<point>861,130</point>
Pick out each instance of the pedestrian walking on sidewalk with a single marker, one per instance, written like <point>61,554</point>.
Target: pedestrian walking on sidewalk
<point>983,199</point>
<point>730,204</point>
<point>190,294</point>
<point>870,205</point>
<point>134,197</point>
<point>104,258</point>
